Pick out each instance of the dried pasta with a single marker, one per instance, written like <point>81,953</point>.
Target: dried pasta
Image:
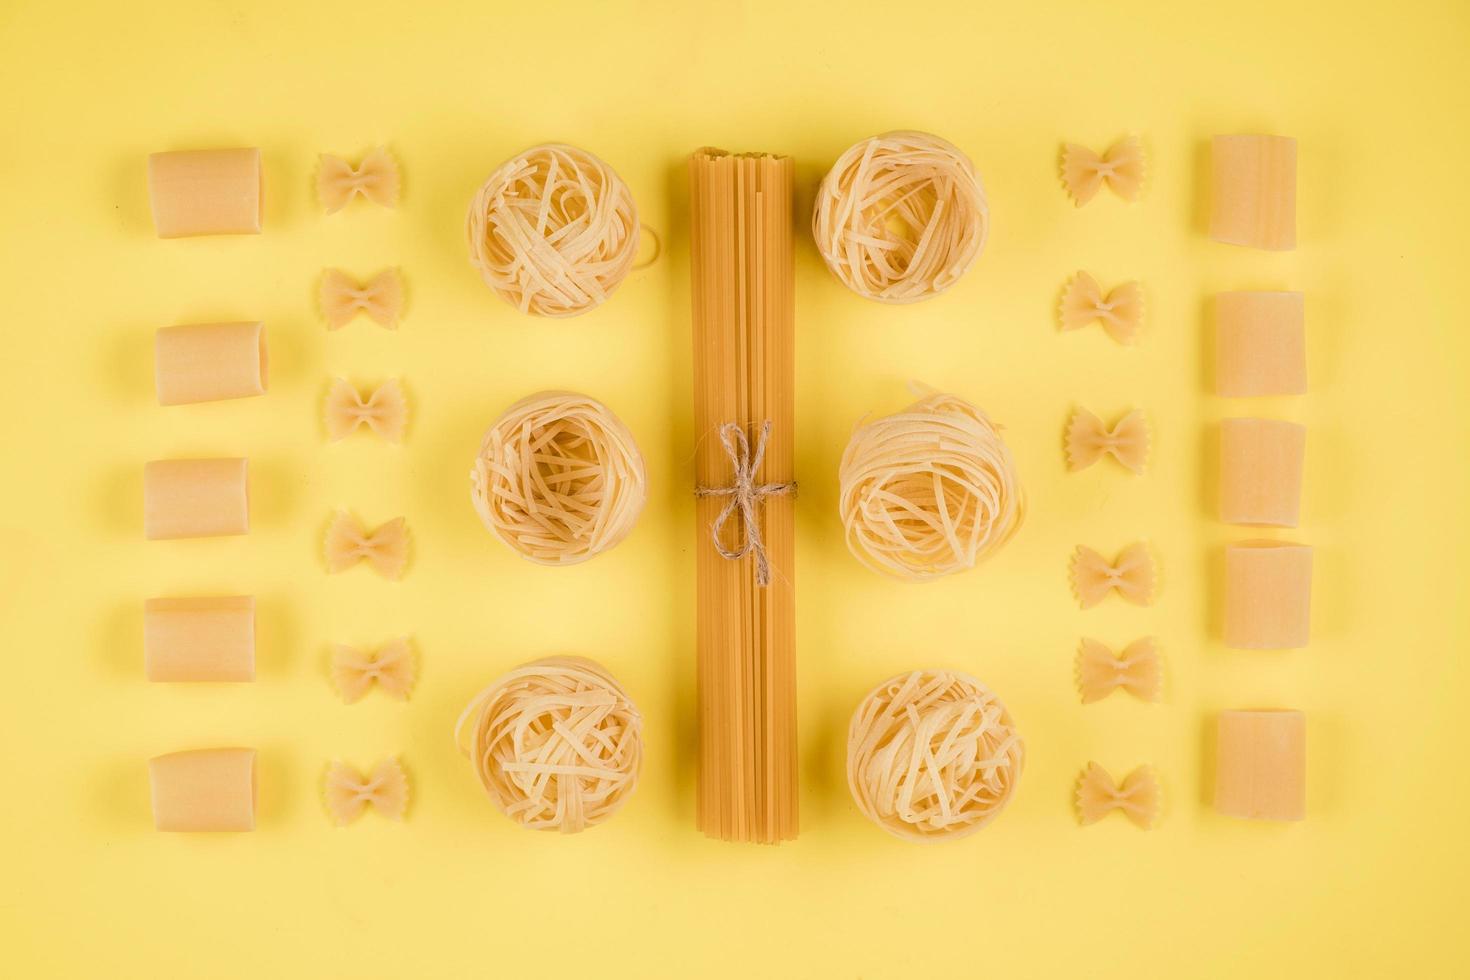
<point>558,478</point>
<point>742,251</point>
<point>199,639</point>
<point>195,498</point>
<point>385,548</point>
<point>556,744</point>
<point>1261,765</point>
<point>376,179</point>
<point>347,792</point>
<point>1120,312</point>
<point>1261,472</point>
<point>379,298</point>
<point>932,755</point>
<point>205,362</point>
<point>1253,191</point>
<point>929,491</point>
<point>1121,168</point>
<point>1131,575</point>
<point>553,231</point>
<point>1136,670</point>
<point>1268,595</point>
<point>1089,439</point>
<point>205,192</point>
<point>355,671</point>
<point>203,790</point>
<point>1138,797</point>
<point>384,412</point>
<point>1260,344</point>
<point>901,217</point>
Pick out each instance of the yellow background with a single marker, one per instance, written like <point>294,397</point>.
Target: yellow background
<point>1371,884</point>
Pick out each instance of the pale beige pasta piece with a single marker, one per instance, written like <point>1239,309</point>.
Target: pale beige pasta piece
<point>1089,439</point>
<point>1121,168</point>
<point>1132,576</point>
<point>1253,191</point>
<point>901,217</point>
<point>1260,344</point>
<point>384,412</point>
<point>205,192</point>
<point>375,179</point>
<point>1136,670</point>
<point>1268,595</point>
<point>205,362</point>
<point>1120,312</point>
<point>1138,797</point>
<point>195,498</point>
<point>199,639</point>
<point>932,755</point>
<point>1261,472</point>
<point>204,790</point>
<point>380,298</point>
<point>390,668</point>
<point>385,548</point>
<point>347,792</point>
<point>1261,765</point>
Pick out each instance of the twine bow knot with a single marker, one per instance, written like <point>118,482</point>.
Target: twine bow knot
<point>744,495</point>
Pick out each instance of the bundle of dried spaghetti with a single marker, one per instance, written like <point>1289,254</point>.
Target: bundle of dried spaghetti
<point>558,478</point>
<point>901,217</point>
<point>744,348</point>
<point>556,744</point>
<point>929,491</point>
<point>553,231</point>
<point>932,755</point>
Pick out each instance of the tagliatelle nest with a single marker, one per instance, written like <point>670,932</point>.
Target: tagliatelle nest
<point>553,231</point>
<point>555,743</point>
<point>932,755</point>
<point>928,491</point>
<point>901,217</point>
<point>558,478</point>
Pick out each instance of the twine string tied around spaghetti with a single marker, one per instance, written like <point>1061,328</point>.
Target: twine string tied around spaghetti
<point>745,495</point>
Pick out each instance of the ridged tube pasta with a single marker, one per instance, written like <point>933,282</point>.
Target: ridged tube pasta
<point>205,362</point>
<point>204,790</point>
<point>199,639</point>
<point>205,192</point>
<point>195,498</point>
<point>1261,765</point>
<point>1268,595</point>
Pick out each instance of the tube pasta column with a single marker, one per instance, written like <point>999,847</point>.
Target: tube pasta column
<point>744,315</point>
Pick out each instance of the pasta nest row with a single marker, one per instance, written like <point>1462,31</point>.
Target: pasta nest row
<point>559,478</point>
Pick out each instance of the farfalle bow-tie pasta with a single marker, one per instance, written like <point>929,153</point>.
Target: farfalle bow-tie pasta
<point>348,792</point>
<point>1089,439</point>
<point>1131,575</point>
<point>1120,312</point>
<point>380,298</point>
<point>376,179</point>
<point>384,412</point>
<point>391,668</point>
<point>1135,670</point>
<point>385,548</point>
<point>1121,168</point>
<point>1138,797</point>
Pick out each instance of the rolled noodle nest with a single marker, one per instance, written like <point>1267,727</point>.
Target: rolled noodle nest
<point>553,231</point>
<point>555,743</point>
<point>558,478</point>
<point>901,217</point>
<point>928,491</point>
<point>932,755</point>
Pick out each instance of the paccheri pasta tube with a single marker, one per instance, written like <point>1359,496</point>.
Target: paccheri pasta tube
<point>1261,472</point>
<point>744,347</point>
<point>1261,765</point>
<point>1253,191</point>
<point>204,789</point>
<point>205,192</point>
<point>206,362</point>
<point>1260,344</point>
<point>199,639</point>
<point>195,498</point>
<point>1268,595</point>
